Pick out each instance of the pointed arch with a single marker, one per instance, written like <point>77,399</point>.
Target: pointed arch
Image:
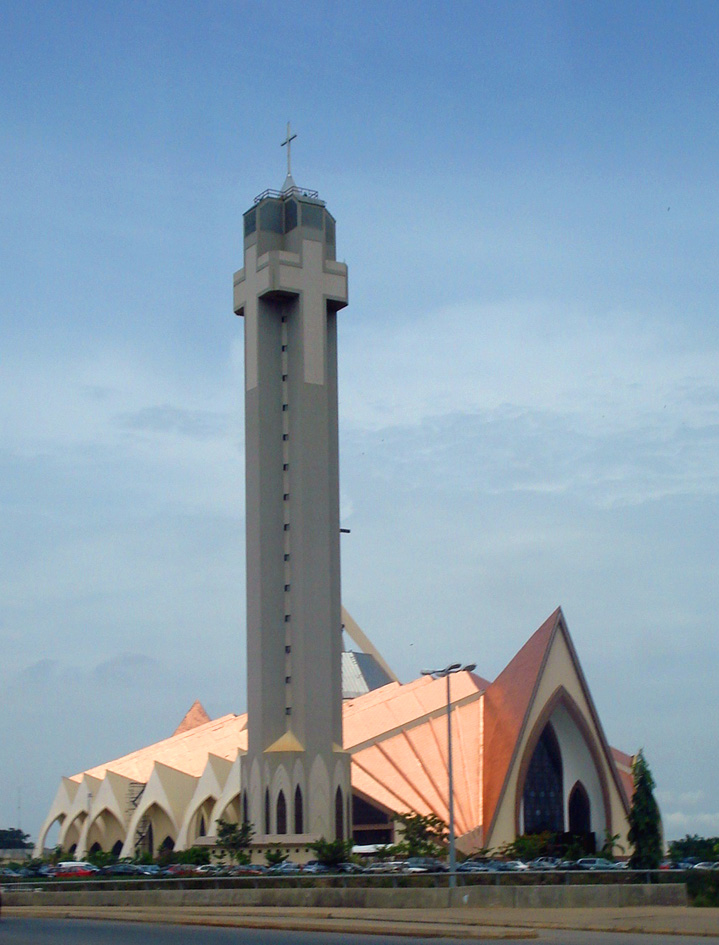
<point>543,794</point>
<point>339,814</point>
<point>104,830</point>
<point>560,697</point>
<point>267,811</point>
<point>299,812</point>
<point>281,813</point>
<point>579,808</point>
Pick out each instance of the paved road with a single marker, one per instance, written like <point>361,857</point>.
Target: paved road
<point>22,931</point>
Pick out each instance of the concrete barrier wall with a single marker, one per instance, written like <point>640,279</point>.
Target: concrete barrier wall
<point>534,897</point>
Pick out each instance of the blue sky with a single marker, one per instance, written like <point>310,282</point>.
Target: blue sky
<point>526,197</point>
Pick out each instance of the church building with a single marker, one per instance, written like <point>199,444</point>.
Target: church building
<point>528,750</point>
<point>529,754</point>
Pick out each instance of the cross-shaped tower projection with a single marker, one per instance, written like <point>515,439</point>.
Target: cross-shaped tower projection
<point>295,776</point>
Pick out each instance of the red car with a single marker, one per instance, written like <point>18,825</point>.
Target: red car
<point>66,870</point>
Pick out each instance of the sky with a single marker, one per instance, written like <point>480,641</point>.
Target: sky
<point>526,197</point>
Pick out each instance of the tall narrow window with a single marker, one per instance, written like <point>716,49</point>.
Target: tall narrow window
<point>245,811</point>
<point>281,813</point>
<point>299,815</point>
<point>339,815</point>
<point>543,789</point>
<point>267,810</point>
<point>579,809</point>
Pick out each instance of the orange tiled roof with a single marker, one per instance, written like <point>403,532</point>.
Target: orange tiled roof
<point>187,752</point>
<point>398,739</point>
<point>194,716</point>
<point>506,704</point>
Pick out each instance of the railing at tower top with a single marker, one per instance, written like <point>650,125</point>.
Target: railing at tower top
<point>290,192</point>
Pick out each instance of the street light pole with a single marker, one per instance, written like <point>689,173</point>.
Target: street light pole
<point>438,674</point>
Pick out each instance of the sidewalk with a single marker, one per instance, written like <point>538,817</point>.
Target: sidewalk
<point>436,923</point>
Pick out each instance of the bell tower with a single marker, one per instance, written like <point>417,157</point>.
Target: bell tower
<point>295,778</point>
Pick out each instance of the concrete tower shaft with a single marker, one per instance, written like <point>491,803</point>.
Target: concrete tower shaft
<point>289,292</point>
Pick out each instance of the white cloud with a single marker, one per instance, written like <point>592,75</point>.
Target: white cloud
<point>680,823</point>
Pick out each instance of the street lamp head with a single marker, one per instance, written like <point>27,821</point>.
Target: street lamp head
<point>452,668</point>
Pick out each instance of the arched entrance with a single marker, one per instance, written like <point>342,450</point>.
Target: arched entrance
<point>543,789</point>
<point>579,810</point>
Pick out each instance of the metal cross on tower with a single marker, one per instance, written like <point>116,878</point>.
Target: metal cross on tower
<point>288,141</point>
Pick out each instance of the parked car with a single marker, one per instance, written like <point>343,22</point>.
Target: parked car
<point>424,864</point>
<point>69,869</point>
<point>474,866</point>
<point>245,869</point>
<point>544,863</point>
<point>178,870</point>
<point>385,866</point>
<point>706,865</point>
<point>315,867</point>
<point>284,869</point>
<point>516,866</point>
<point>595,863</point>
<point>121,869</point>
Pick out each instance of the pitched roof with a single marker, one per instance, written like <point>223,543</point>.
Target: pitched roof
<point>194,716</point>
<point>507,701</point>
<point>398,739</point>
<point>624,762</point>
<point>186,752</point>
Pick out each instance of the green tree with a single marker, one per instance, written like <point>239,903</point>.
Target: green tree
<point>234,839</point>
<point>332,852</point>
<point>12,838</point>
<point>275,855</point>
<point>696,847</point>
<point>422,834</point>
<point>194,856</point>
<point>101,858</point>
<point>611,841</point>
<point>528,846</point>
<point>644,820</point>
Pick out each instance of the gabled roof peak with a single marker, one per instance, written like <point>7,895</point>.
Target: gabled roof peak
<point>194,716</point>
